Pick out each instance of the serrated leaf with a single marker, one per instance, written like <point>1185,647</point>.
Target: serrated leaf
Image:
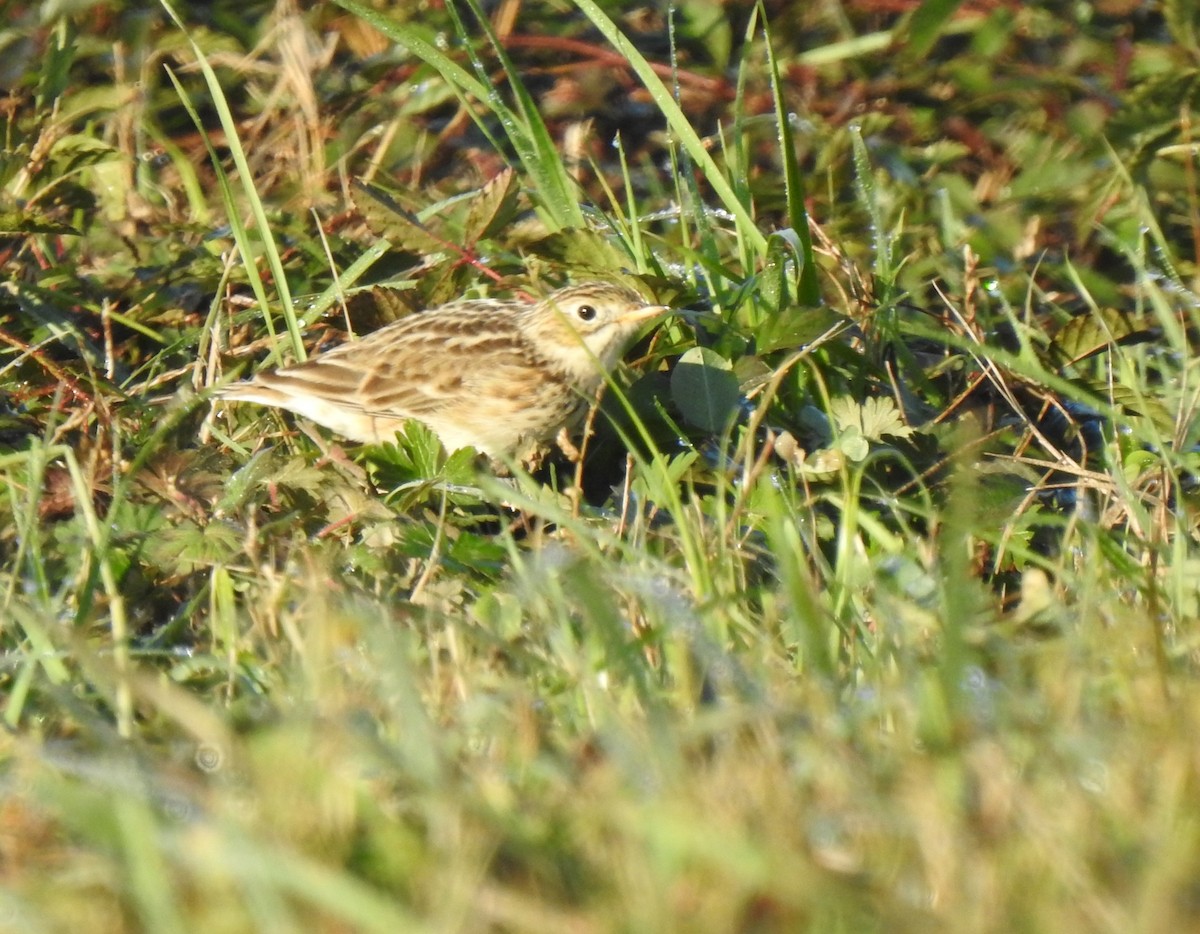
<point>1149,118</point>
<point>422,448</point>
<point>1130,402</point>
<point>388,219</point>
<point>705,389</point>
<point>460,466</point>
<point>874,417</point>
<point>390,303</point>
<point>1089,334</point>
<point>299,474</point>
<point>1138,405</point>
<point>492,208</point>
<point>580,249</point>
<point>187,548</point>
<point>75,152</point>
<point>443,284</point>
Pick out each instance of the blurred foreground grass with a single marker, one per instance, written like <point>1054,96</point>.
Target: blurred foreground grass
<point>887,622</point>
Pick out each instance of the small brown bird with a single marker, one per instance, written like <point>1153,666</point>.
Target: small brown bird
<point>499,376</point>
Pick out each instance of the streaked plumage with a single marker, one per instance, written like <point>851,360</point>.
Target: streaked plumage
<point>496,375</point>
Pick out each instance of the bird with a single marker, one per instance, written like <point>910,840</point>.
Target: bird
<point>499,376</point>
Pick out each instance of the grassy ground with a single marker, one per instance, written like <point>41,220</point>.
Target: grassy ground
<point>872,605</point>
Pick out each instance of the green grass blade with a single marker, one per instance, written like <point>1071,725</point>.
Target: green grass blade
<point>688,138</point>
<point>531,140</point>
<point>539,154</point>
<point>809,288</point>
<point>864,179</point>
<point>241,236</point>
<point>345,280</point>
<point>229,125</point>
<point>149,878</point>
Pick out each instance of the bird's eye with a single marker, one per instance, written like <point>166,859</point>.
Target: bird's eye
<point>585,312</point>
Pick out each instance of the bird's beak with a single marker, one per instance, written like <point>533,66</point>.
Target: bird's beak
<point>645,313</point>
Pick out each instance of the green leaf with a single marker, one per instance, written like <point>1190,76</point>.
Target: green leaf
<point>808,291</point>
<point>853,444</point>
<point>1133,404</point>
<point>1138,462</point>
<point>705,389</point>
<point>1089,334</point>
<point>582,250</point>
<point>189,547</point>
<point>873,418</point>
<point>298,474</point>
<point>776,281</point>
<point>15,222</point>
<point>460,466</point>
<point>792,328</point>
<point>869,197</point>
<point>54,77</point>
<point>388,219</point>
<point>261,467</point>
<point>678,122</point>
<point>1184,23</point>
<point>492,208</point>
<point>421,447</point>
<point>75,152</point>
<point>925,25</point>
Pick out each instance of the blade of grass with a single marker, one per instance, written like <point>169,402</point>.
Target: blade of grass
<point>97,537</point>
<point>148,877</point>
<point>532,145</point>
<point>118,622</point>
<point>229,125</point>
<point>684,171</point>
<point>690,140</point>
<point>241,236</point>
<point>864,180</point>
<point>793,180</point>
<point>542,159</point>
<point>257,864</point>
<point>188,178</point>
<point>344,280</point>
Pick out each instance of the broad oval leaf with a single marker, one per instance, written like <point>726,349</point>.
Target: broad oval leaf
<point>705,389</point>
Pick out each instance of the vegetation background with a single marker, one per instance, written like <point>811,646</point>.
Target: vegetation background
<point>872,605</point>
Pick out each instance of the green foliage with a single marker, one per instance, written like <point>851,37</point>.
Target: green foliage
<point>705,390</point>
<point>870,602</point>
